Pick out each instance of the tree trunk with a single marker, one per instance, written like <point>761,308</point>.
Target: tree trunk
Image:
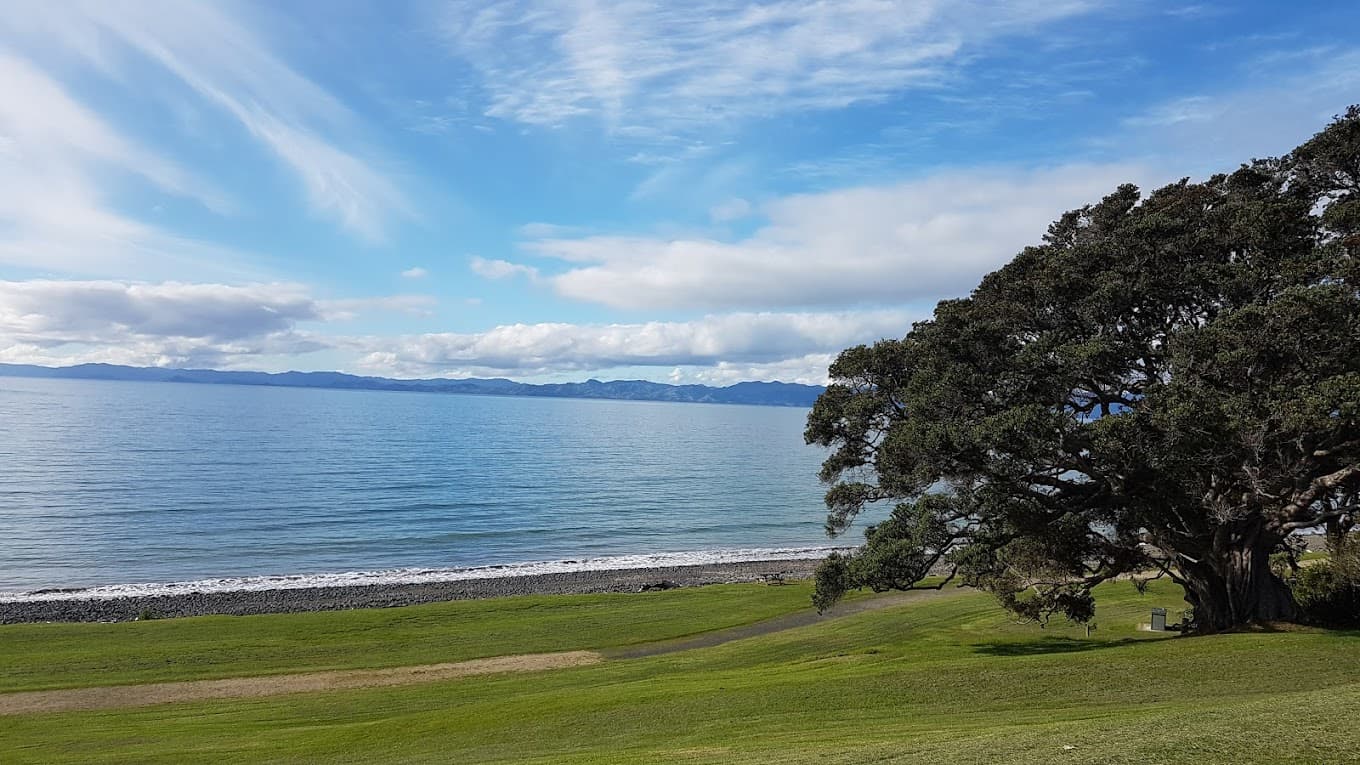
<point>1231,585</point>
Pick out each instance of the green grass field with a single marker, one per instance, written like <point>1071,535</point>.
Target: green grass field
<point>948,679</point>
<point>41,656</point>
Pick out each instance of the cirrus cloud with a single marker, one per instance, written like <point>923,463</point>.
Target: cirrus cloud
<point>56,213</point>
<point>648,68</point>
<point>217,54</point>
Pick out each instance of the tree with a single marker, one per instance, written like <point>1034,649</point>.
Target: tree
<point>1168,384</point>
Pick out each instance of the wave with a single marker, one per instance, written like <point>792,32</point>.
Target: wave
<point>421,575</point>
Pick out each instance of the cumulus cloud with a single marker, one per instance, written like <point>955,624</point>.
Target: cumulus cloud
<point>923,239</point>
<point>253,354</point>
<point>643,66</point>
<point>169,323</point>
<point>415,273</point>
<point>42,308</point>
<point>225,326</point>
<point>761,344</point>
<point>935,236</point>
<point>808,370</point>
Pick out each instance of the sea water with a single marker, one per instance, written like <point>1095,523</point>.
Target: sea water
<point>143,487</point>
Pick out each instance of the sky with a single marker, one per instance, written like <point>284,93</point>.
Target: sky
<point>553,190</point>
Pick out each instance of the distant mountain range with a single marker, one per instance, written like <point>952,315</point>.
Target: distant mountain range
<point>756,393</point>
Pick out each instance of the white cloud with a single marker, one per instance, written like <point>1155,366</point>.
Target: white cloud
<point>249,326</point>
<point>1198,11</point>
<point>501,269</point>
<point>665,67</point>
<point>758,343</point>
<point>935,236</point>
<point>153,324</point>
<point>45,127</point>
<point>59,312</point>
<point>538,229</point>
<point>808,370</point>
<point>732,209</point>
<point>415,272</point>
<point>56,212</point>
<point>255,354</point>
<point>919,240</point>
<point>170,323</point>
<point>350,308</point>
<point>228,65</point>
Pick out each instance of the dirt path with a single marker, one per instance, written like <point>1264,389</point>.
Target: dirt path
<point>120,696</point>
<point>123,696</point>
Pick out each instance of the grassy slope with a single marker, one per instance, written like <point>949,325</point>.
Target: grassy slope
<point>948,680</point>
<point>40,656</point>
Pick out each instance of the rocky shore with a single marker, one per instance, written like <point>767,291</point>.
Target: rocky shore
<point>241,603</point>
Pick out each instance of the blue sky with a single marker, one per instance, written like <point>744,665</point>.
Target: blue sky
<point>697,192</point>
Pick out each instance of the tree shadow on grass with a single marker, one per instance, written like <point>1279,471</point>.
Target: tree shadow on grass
<point>1054,645</point>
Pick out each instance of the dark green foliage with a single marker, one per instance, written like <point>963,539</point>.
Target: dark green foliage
<point>1327,596</point>
<point>1166,383</point>
<point>1328,592</point>
<point>831,580</point>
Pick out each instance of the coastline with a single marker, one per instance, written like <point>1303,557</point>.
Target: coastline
<point>389,595</point>
<point>472,584</point>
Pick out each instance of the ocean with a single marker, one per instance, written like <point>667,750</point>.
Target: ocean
<point>110,488</point>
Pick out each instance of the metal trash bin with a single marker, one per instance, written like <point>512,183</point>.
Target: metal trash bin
<point>1159,620</point>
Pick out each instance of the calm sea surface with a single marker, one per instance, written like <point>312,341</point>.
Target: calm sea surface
<point>122,482</point>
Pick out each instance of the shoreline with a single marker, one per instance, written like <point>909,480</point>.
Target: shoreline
<point>390,595</point>
<point>283,598</point>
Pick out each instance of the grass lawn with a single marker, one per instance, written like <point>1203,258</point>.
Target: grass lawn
<point>42,656</point>
<point>944,680</point>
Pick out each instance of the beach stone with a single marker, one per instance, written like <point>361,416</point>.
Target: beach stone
<point>248,602</point>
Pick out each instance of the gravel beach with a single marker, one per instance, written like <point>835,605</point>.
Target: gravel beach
<point>241,603</point>
<point>336,598</point>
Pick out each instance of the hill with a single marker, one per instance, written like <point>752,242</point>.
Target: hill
<point>753,393</point>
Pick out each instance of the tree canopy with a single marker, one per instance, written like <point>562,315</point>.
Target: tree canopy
<point>1166,384</point>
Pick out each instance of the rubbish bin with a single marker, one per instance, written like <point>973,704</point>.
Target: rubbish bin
<point>1159,620</point>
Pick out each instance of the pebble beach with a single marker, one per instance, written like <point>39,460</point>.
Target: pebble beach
<point>336,598</point>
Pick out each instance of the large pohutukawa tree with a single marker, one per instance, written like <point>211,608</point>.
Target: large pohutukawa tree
<point>1168,384</point>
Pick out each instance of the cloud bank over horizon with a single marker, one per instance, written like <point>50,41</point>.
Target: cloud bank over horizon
<point>557,189</point>
<point>216,325</point>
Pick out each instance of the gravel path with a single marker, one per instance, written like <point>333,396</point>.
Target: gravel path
<point>243,603</point>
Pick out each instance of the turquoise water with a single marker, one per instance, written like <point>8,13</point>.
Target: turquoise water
<point>109,483</point>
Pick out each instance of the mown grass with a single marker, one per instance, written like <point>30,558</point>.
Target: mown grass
<point>43,656</point>
<point>943,680</point>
